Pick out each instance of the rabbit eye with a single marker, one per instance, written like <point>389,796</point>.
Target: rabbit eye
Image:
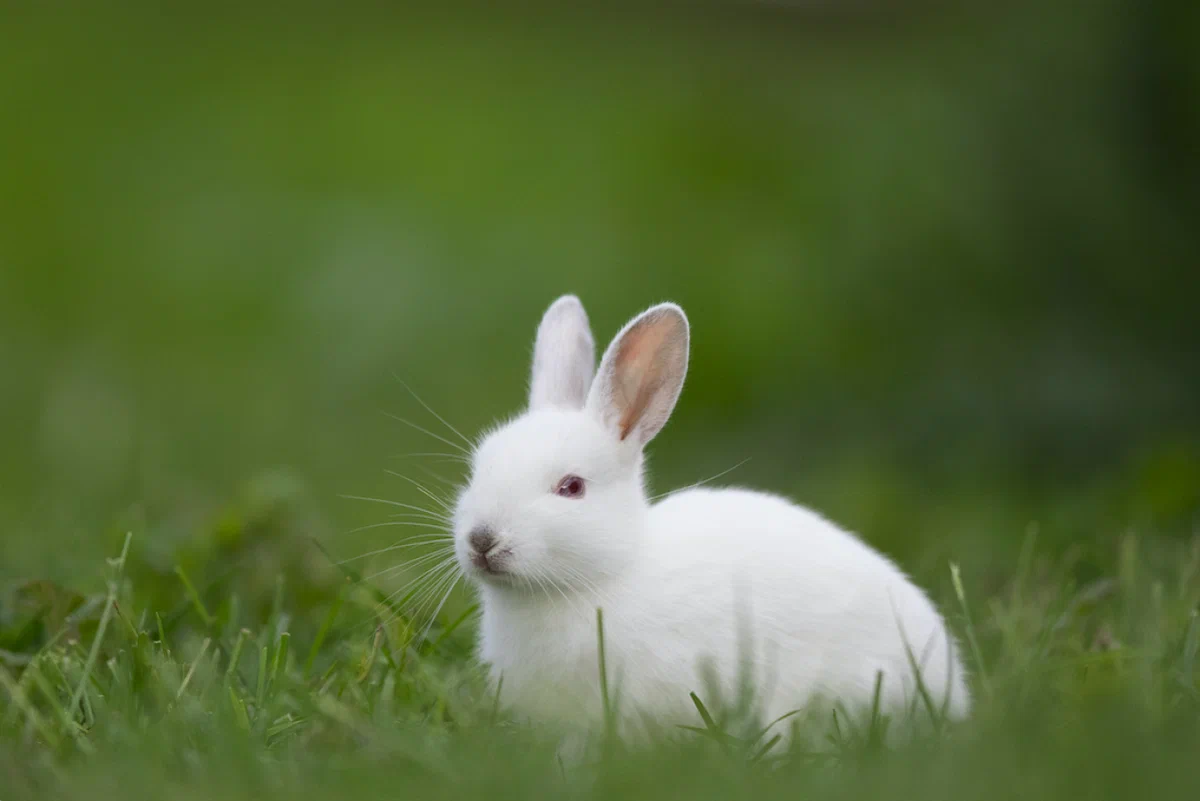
<point>570,487</point>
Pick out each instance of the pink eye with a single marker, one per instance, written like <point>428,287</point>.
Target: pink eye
<point>571,487</point>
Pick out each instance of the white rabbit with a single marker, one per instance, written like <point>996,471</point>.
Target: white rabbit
<point>555,522</point>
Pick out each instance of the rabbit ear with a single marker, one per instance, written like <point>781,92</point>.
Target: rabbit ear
<point>564,356</point>
<point>642,373</point>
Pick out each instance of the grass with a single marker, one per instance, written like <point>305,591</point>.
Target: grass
<point>1082,689</point>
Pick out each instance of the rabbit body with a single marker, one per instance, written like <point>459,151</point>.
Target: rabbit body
<point>705,591</point>
<point>728,580</point>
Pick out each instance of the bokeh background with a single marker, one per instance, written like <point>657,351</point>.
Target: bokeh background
<point>940,261</point>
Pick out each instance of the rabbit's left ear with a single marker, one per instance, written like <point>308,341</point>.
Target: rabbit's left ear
<point>564,356</point>
<point>641,374</point>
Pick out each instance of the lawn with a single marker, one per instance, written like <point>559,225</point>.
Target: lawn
<point>940,273</point>
<point>1087,689</point>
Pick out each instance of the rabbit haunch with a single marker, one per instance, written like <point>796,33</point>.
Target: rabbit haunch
<point>703,583</point>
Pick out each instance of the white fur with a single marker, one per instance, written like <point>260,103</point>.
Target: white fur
<point>564,355</point>
<point>701,581</point>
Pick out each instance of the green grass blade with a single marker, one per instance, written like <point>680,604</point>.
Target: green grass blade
<point>239,710</point>
<point>602,657</point>
<point>94,653</point>
<point>187,679</point>
<point>281,656</point>
<point>976,652</point>
<point>21,701</point>
<point>260,693</point>
<point>765,748</point>
<point>236,656</point>
<point>197,602</point>
<point>326,625</point>
<point>458,621</point>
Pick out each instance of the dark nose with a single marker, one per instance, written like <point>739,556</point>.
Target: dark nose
<point>482,539</point>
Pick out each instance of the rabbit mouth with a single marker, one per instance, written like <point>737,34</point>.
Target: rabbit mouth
<point>493,563</point>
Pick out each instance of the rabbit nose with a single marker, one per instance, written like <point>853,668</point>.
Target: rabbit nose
<point>482,539</point>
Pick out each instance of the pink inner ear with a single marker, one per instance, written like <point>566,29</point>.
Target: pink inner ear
<point>638,371</point>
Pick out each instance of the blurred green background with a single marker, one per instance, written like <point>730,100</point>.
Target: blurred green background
<point>940,262</point>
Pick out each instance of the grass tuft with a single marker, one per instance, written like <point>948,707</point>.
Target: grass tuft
<point>1099,673</point>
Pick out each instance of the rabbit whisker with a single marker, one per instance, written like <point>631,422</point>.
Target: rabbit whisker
<point>417,516</point>
<point>437,477</point>
<point>449,456</point>
<point>411,563</point>
<point>423,490</point>
<point>422,601</point>
<point>397,504</point>
<point>429,409</point>
<point>438,609</point>
<point>701,483</point>
<point>394,547</point>
<point>587,585</point>
<point>399,523</point>
<point>427,432</point>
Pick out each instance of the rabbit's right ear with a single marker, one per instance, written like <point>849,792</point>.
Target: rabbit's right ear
<point>564,357</point>
<point>642,374</point>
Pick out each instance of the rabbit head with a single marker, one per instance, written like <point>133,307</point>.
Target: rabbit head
<point>555,496</point>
